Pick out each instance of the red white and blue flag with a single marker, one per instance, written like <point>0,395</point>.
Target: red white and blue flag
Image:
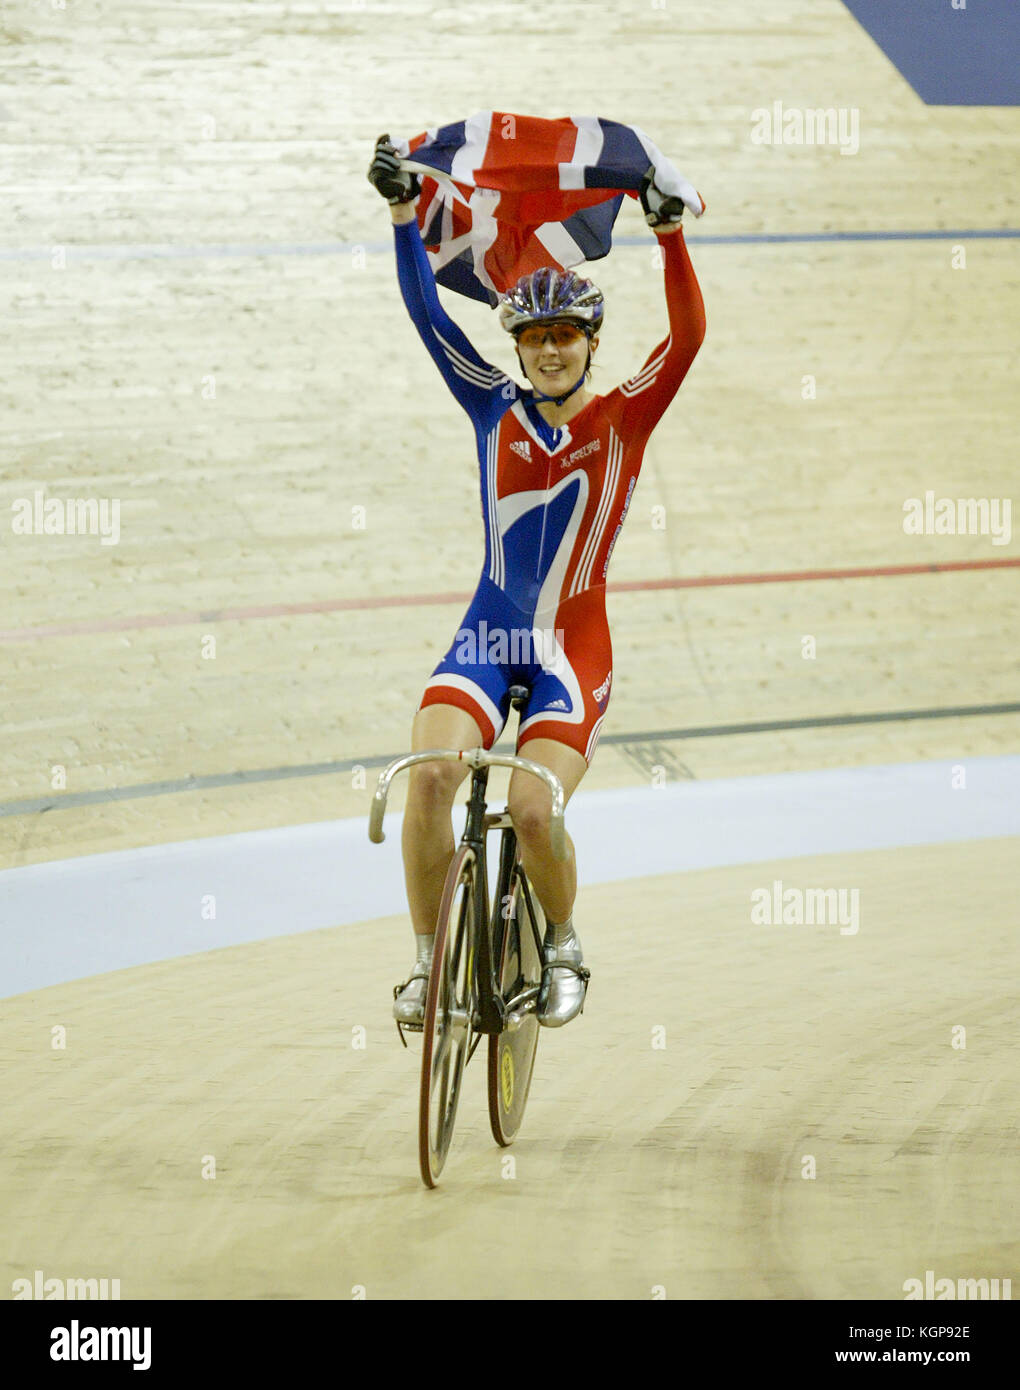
<point>503,195</point>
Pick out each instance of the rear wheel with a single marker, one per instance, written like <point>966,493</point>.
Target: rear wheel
<point>449,1009</point>
<point>512,1052</point>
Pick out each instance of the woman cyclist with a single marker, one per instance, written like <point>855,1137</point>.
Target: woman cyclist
<point>558,467</point>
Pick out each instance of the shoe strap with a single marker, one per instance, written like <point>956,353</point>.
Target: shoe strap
<point>578,970</point>
<point>420,972</point>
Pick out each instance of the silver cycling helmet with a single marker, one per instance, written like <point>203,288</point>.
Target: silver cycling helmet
<point>550,296</point>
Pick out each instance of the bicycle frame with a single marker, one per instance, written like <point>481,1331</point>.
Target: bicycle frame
<point>493,1012</point>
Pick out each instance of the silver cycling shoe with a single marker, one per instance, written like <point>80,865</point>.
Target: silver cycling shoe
<point>409,998</point>
<point>564,983</point>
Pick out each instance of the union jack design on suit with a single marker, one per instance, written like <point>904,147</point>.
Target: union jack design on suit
<point>553,502</point>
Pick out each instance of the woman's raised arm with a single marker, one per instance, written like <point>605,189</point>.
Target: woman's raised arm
<point>650,390</point>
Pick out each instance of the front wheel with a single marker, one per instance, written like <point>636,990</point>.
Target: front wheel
<point>449,1007</point>
<point>512,1052</point>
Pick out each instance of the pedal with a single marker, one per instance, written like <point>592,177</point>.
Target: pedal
<point>411,1028</point>
<point>519,1009</point>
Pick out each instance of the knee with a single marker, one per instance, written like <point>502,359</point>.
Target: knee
<point>432,788</point>
<point>531,818</point>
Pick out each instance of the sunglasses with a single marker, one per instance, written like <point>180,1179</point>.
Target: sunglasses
<point>562,334</point>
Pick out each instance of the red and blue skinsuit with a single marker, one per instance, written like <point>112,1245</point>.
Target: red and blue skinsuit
<point>553,503</point>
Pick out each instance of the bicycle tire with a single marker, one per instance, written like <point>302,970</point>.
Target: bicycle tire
<point>512,1052</point>
<point>449,1011</point>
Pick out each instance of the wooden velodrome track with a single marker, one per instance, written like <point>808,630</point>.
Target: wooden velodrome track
<point>221,346</point>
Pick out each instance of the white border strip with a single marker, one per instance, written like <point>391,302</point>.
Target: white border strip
<point>79,917</point>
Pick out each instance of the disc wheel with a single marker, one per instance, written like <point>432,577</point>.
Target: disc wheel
<point>449,1006</point>
<point>512,1052</point>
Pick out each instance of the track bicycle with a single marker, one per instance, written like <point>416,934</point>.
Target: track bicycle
<point>486,962</point>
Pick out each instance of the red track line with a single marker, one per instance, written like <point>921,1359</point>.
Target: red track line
<point>338,605</point>
<point>804,576</point>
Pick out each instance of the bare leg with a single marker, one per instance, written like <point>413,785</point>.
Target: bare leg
<point>428,840</point>
<point>554,880</point>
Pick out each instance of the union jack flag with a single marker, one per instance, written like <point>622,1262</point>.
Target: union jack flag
<point>503,194</point>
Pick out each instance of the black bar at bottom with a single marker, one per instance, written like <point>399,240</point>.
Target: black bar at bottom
<point>189,1343</point>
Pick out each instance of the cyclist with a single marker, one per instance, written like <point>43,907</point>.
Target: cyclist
<point>558,468</point>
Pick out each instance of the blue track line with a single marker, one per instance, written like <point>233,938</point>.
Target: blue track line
<point>214,251</point>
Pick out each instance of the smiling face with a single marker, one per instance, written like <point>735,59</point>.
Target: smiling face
<point>554,355</point>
